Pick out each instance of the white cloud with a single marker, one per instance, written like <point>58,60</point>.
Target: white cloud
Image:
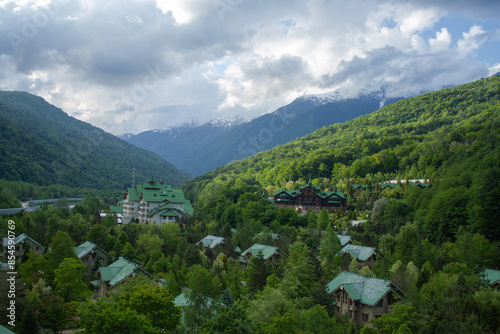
<point>472,39</point>
<point>127,65</point>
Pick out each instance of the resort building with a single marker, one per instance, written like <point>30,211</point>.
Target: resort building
<point>154,202</point>
<point>310,197</point>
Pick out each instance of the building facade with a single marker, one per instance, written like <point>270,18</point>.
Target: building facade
<point>310,197</point>
<point>154,202</point>
<point>22,243</point>
<point>363,298</point>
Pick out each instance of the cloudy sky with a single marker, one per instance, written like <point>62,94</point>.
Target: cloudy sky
<point>134,65</point>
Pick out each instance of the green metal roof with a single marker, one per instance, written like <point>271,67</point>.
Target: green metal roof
<point>188,207</point>
<point>169,213</point>
<point>181,300</point>
<point>161,208</point>
<point>361,253</point>
<point>95,283</point>
<point>294,193</point>
<point>366,290</point>
<point>4,330</point>
<point>390,185</point>
<point>211,241</point>
<point>21,238</point>
<point>116,209</point>
<point>344,239</point>
<point>491,276</point>
<point>84,249</point>
<point>118,270</point>
<point>420,184</point>
<point>154,192</point>
<point>267,251</point>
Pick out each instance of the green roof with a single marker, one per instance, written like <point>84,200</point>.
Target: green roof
<point>356,186</point>
<point>361,253</point>
<point>344,239</point>
<point>366,290</point>
<point>188,207</point>
<point>169,213</point>
<point>390,185</point>
<point>267,251</point>
<point>84,249</point>
<point>154,192</point>
<point>282,194</point>
<point>4,330</point>
<point>21,238</point>
<point>116,209</point>
<point>161,208</point>
<point>117,271</point>
<point>491,276</point>
<point>211,241</point>
<point>181,300</point>
<point>420,184</point>
<point>95,283</point>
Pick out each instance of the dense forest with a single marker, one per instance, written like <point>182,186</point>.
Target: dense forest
<point>435,241</point>
<point>43,146</point>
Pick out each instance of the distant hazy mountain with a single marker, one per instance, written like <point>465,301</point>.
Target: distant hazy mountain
<point>41,144</point>
<point>198,149</point>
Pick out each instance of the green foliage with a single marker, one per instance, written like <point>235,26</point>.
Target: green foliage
<point>330,246</point>
<point>61,248</point>
<point>68,279</point>
<point>43,146</point>
<point>53,313</point>
<point>228,319</point>
<point>138,306</point>
<point>323,219</point>
<point>33,269</point>
<point>298,279</point>
<point>404,319</point>
<point>154,302</point>
<point>450,137</point>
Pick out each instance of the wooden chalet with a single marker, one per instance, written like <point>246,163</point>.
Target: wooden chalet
<point>310,197</point>
<point>362,298</point>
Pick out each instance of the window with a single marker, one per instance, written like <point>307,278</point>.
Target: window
<point>355,315</point>
<point>380,303</point>
<point>364,317</point>
<point>350,314</point>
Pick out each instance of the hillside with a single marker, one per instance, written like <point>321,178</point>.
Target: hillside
<point>450,136</point>
<point>42,145</point>
<point>204,148</point>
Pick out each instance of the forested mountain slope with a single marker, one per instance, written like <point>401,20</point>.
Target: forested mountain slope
<point>42,145</point>
<point>450,136</point>
<point>203,148</point>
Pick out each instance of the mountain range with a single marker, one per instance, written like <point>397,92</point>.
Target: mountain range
<point>197,149</point>
<point>42,145</point>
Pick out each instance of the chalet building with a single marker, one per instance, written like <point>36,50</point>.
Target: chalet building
<point>310,197</point>
<point>154,202</point>
<point>365,256</point>
<point>268,252</point>
<point>116,273</point>
<point>362,298</point>
<point>90,254</point>
<point>492,277</point>
<point>22,243</point>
